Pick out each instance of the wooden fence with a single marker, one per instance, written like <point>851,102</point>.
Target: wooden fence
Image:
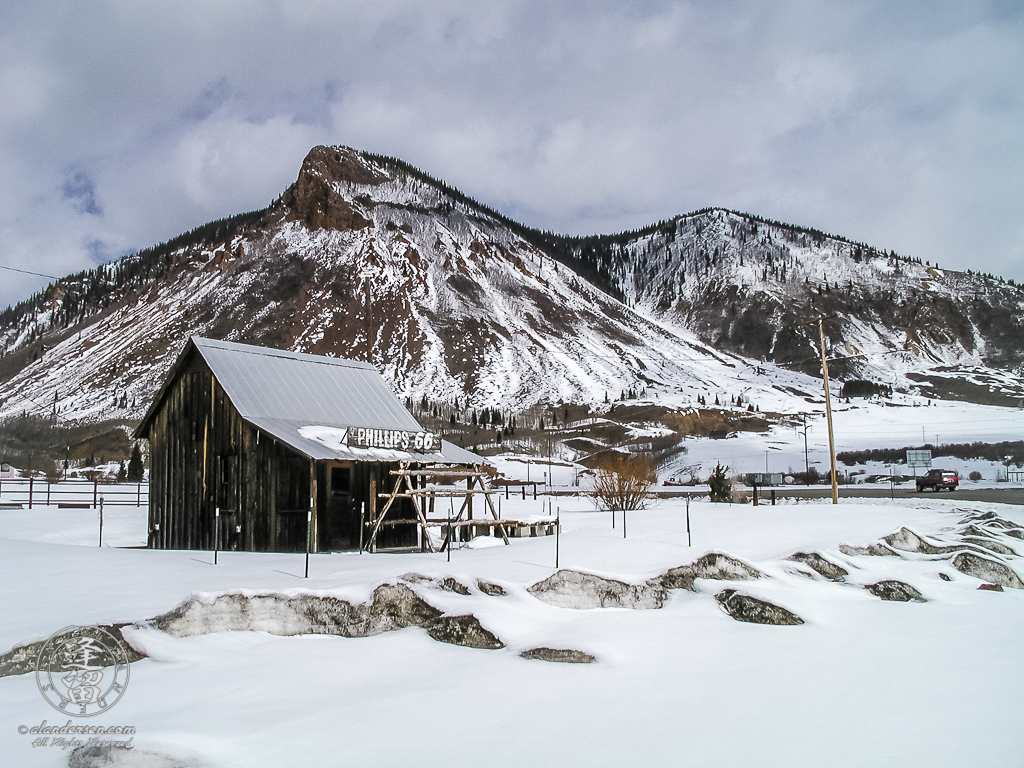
<point>28,493</point>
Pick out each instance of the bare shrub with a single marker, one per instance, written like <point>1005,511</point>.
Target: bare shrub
<point>975,476</point>
<point>622,482</point>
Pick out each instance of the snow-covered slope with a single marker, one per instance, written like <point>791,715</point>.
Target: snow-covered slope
<point>358,261</point>
<point>365,257</point>
<point>751,286</point>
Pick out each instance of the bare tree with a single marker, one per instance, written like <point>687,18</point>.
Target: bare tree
<point>622,482</point>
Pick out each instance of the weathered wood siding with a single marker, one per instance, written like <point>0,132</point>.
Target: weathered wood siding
<point>204,456</point>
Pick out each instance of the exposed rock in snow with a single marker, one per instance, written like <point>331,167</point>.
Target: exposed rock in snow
<point>447,584</point>
<point>490,588</point>
<point>992,545</point>
<point>394,606</point>
<point>563,655</point>
<point>826,568</point>
<point>120,757</point>
<point>906,540</point>
<point>987,570</point>
<point>899,591</point>
<point>754,610</point>
<point>874,549</point>
<point>22,658</point>
<point>713,565</point>
<point>464,630</point>
<point>575,589</point>
<point>991,587</point>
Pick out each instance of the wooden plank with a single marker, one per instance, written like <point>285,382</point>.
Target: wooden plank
<point>457,473</point>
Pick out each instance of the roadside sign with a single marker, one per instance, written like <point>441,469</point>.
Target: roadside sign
<point>919,459</point>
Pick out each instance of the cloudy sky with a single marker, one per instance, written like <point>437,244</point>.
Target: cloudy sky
<point>901,124</point>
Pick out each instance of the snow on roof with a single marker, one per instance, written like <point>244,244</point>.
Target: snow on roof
<point>308,401</point>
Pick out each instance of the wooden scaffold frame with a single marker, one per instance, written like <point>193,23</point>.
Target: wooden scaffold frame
<point>405,488</point>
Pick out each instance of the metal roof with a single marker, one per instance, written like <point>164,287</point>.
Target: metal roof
<point>293,395</point>
<point>299,387</point>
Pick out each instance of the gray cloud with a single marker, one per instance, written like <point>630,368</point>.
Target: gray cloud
<point>81,190</point>
<point>898,124</point>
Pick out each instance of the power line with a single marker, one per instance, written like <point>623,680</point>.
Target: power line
<point>27,272</point>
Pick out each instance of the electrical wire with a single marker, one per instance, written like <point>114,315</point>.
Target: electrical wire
<point>27,272</point>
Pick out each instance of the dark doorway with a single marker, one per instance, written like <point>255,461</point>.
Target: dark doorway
<point>342,524</point>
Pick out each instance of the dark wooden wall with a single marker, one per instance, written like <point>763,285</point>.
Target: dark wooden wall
<point>203,455</point>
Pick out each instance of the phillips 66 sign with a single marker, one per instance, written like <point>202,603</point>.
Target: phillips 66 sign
<point>396,439</point>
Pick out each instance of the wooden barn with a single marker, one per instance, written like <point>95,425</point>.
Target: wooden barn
<point>259,449</point>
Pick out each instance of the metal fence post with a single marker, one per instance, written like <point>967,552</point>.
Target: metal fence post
<point>362,524</point>
<point>309,525</point>
<point>101,521</point>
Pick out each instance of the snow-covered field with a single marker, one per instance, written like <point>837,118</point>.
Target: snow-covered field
<point>862,682</point>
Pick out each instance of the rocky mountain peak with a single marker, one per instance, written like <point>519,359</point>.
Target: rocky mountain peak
<point>314,198</point>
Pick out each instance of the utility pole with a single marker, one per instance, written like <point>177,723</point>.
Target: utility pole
<point>807,465</point>
<point>828,411</point>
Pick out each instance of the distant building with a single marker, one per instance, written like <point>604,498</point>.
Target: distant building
<point>282,444</point>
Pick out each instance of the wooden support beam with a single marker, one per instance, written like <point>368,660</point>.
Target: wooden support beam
<point>457,473</point>
<point>439,494</point>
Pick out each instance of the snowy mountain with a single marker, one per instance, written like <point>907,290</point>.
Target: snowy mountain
<point>366,257</point>
<point>751,286</point>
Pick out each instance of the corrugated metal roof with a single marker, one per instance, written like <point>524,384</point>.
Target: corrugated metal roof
<point>307,401</point>
<point>295,386</point>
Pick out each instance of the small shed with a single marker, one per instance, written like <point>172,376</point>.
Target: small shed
<point>260,449</point>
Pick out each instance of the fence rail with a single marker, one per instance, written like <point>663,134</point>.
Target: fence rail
<point>83,494</point>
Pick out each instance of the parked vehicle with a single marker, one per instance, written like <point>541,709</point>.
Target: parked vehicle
<point>937,479</point>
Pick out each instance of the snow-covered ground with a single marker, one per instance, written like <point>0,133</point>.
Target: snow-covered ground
<point>862,682</point>
<point>861,425</point>
<point>903,421</point>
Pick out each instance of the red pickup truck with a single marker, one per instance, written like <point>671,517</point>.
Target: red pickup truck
<point>937,479</point>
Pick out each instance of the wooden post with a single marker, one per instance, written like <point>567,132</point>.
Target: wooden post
<point>30,482</point>
<point>373,499</point>
<point>312,508</point>
<point>95,492</point>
